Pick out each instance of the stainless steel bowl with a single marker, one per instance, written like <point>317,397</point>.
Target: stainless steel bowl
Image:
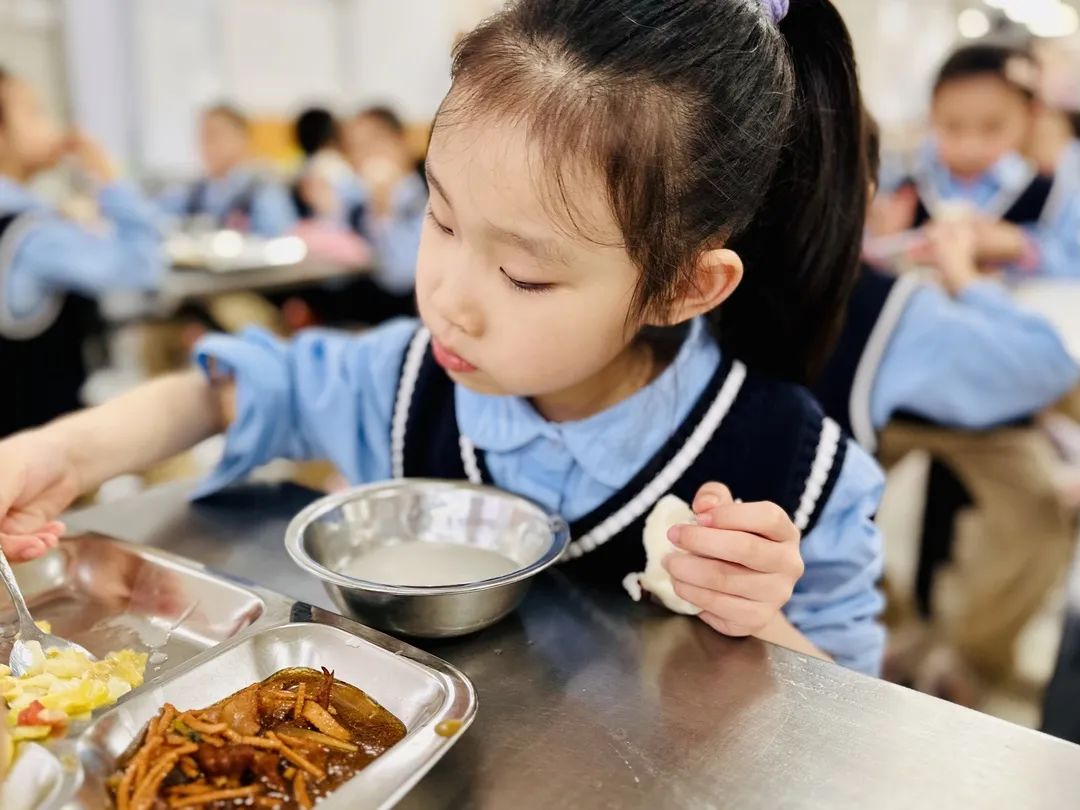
<point>334,530</point>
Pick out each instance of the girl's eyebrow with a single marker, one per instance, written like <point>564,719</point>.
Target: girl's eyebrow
<point>540,247</point>
<point>433,181</point>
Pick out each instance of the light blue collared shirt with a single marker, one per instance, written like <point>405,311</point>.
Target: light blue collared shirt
<point>331,396</point>
<point>395,239</point>
<point>272,211</point>
<point>972,362</point>
<point>57,255</point>
<point>1056,236</point>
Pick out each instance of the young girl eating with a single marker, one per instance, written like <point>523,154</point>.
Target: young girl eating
<point>605,175</point>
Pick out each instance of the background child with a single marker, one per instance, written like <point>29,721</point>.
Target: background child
<point>960,358</point>
<point>982,116</point>
<point>558,238</point>
<point>232,194</point>
<point>51,267</point>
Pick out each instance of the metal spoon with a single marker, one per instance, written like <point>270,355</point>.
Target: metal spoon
<point>22,658</point>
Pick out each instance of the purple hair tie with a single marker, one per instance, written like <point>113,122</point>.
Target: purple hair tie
<point>776,9</point>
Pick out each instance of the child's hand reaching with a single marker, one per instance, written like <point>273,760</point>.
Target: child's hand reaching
<point>37,482</point>
<point>91,158</point>
<point>741,561</point>
<point>998,242</point>
<point>319,194</point>
<point>950,247</point>
<point>892,213</point>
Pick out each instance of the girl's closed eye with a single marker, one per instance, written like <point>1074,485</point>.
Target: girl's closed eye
<point>431,216</point>
<point>526,286</point>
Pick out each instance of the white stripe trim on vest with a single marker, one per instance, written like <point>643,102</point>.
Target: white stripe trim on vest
<point>828,443</point>
<point>23,327</point>
<point>468,458</point>
<point>672,472</point>
<point>862,386</point>
<point>410,371</point>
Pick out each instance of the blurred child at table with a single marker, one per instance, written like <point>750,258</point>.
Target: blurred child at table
<point>571,279</point>
<point>232,194</point>
<point>316,133</point>
<point>967,363</point>
<point>388,211</point>
<point>51,267</point>
<point>972,168</point>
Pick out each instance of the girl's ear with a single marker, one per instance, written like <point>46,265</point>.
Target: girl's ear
<point>716,275</point>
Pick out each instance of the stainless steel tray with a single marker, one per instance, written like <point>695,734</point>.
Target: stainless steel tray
<point>108,595</point>
<point>211,635</point>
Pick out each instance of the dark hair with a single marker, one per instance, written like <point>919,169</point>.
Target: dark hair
<point>1015,67</point>
<point>230,113</point>
<point>709,124</point>
<point>385,116</point>
<point>315,129</point>
<point>873,146</point>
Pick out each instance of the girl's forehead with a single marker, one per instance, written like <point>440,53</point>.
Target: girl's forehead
<point>495,168</point>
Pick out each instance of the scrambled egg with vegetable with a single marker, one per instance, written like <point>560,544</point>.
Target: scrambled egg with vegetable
<point>65,686</point>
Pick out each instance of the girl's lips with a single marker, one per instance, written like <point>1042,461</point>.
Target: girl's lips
<point>450,361</point>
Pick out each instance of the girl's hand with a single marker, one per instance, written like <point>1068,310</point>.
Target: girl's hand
<point>741,561</point>
<point>892,213</point>
<point>951,249</point>
<point>37,483</point>
<point>91,158</point>
<point>320,195</point>
<point>999,242</point>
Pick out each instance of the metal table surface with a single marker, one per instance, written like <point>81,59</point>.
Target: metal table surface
<point>588,700</point>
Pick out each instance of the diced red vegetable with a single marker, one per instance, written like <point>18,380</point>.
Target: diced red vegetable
<point>31,715</point>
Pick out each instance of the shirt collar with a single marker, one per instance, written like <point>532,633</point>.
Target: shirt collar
<point>1009,171</point>
<point>606,444</point>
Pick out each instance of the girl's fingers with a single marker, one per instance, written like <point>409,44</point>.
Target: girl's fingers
<point>742,617</point>
<point>742,548</point>
<point>724,627</point>
<point>54,527</point>
<point>711,496</point>
<point>724,577</point>
<point>762,518</point>
<point>21,522</point>
<point>22,548</point>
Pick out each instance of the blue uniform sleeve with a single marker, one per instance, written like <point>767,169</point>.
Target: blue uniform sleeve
<point>324,395</point>
<point>836,602</point>
<point>59,255</point>
<point>272,211</point>
<point>972,362</point>
<point>173,202</point>
<point>1058,242</point>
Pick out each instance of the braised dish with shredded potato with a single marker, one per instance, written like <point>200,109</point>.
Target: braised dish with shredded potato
<point>282,744</point>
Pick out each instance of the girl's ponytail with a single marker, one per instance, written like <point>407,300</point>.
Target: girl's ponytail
<point>802,249</point>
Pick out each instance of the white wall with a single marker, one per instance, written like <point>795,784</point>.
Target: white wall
<point>399,53</point>
<point>899,44</point>
<point>101,86</point>
<point>143,68</point>
<point>31,46</point>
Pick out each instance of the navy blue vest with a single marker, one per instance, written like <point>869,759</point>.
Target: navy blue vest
<point>46,369</point>
<point>877,302</point>
<point>766,440</point>
<point>1026,209</point>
